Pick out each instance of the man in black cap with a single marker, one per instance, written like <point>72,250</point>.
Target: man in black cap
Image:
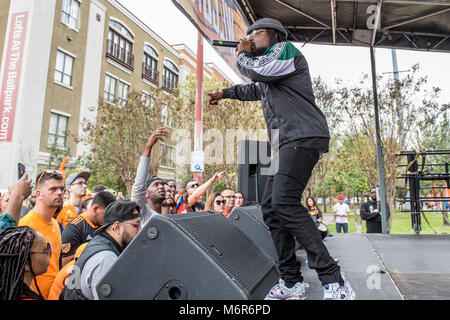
<point>121,223</point>
<point>76,184</point>
<point>148,193</point>
<point>299,134</point>
<point>371,213</point>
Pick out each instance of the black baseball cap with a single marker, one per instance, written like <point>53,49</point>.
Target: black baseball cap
<point>119,210</point>
<point>150,180</point>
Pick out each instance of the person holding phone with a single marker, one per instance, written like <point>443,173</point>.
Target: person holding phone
<point>13,200</point>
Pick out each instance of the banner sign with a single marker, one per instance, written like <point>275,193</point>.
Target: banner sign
<point>11,75</point>
<point>216,20</point>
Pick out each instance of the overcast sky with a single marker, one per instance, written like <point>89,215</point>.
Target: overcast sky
<point>330,62</point>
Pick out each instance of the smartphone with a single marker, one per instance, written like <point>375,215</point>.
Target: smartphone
<point>20,170</point>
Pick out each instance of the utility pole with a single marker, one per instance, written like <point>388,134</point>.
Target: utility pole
<point>380,153</point>
<point>198,127</point>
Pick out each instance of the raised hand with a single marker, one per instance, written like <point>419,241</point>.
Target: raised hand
<point>158,134</point>
<point>217,176</point>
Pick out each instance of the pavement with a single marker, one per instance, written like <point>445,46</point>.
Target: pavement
<point>388,267</point>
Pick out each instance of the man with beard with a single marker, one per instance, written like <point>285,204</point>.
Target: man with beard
<point>49,196</point>
<point>299,134</point>
<point>168,204</point>
<point>121,223</point>
<point>155,193</point>
<point>148,193</point>
<point>82,228</point>
<point>371,213</point>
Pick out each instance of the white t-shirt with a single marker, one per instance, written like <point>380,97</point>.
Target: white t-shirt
<point>341,209</point>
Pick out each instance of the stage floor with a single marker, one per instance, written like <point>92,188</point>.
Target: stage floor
<point>388,267</point>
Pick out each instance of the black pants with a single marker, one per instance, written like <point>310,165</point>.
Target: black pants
<point>286,217</point>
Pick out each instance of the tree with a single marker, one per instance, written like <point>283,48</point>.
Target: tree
<point>223,125</point>
<point>119,134</point>
<point>405,108</point>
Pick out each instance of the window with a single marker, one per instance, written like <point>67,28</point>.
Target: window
<point>123,92</point>
<point>57,131</point>
<point>170,75</point>
<point>121,29</point>
<point>110,88</point>
<point>167,117</point>
<point>120,45</point>
<point>64,68</point>
<point>150,64</point>
<point>148,100</point>
<point>167,156</point>
<point>70,13</point>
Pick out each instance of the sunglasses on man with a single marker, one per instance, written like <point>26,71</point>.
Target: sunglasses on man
<point>192,186</point>
<point>48,172</point>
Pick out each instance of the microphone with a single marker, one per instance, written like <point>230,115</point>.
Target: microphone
<point>221,43</point>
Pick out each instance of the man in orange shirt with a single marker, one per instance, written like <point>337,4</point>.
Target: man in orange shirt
<point>76,184</point>
<point>230,198</point>
<point>60,280</point>
<point>49,196</point>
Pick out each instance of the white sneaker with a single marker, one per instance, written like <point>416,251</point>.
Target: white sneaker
<point>333,291</point>
<point>281,292</point>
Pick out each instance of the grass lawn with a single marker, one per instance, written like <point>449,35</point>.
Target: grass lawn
<point>401,224</point>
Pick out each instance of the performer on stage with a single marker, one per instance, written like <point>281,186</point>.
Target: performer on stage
<point>299,129</point>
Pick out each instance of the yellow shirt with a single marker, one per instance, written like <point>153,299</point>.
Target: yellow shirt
<point>51,232</point>
<point>67,214</point>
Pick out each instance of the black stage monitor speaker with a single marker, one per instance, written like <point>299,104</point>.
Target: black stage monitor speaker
<point>250,221</point>
<point>252,157</point>
<point>191,256</point>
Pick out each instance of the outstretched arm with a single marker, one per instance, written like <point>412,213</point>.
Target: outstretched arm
<point>201,190</point>
<point>243,92</point>
<point>138,191</point>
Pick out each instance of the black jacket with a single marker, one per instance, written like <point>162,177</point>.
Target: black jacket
<point>100,242</point>
<point>282,82</point>
<point>373,220</point>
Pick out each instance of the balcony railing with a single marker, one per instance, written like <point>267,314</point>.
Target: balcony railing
<point>169,84</point>
<point>120,55</point>
<point>149,73</point>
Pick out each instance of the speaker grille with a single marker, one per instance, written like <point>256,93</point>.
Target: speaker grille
<point>229,247</point>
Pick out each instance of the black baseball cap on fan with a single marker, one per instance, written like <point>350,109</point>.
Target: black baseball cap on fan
<point>119,210</point>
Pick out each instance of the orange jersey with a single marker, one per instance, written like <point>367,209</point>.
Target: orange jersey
<point>58,283</point>
<point>67,214</point>
<point>51,232</point>
<point>226,213</point>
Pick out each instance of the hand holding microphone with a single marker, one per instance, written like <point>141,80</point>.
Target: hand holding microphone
<point>243,45</point>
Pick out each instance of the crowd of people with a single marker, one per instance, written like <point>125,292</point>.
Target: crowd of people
<point>43,239</point>
<point>47,232</point>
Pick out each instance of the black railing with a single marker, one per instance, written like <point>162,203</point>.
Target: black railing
<point>120,55</point>
<point>149,73</point>
<point>169,84</point>
<point>418,170</point>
